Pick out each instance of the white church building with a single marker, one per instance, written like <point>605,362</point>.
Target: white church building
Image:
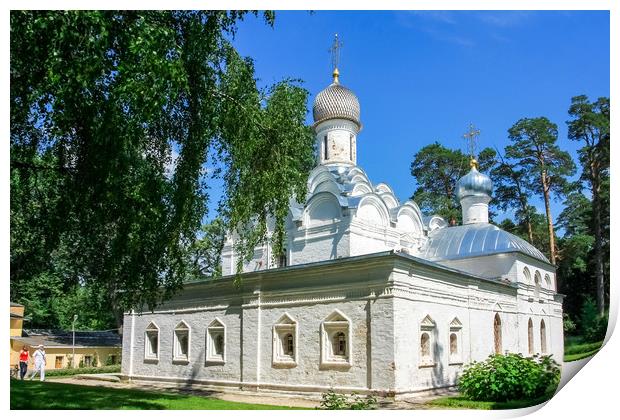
<point>371,296</point>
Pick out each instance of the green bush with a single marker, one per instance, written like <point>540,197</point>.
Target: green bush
<point>569,325</point>
<point>582,348</point>
<point>332,401</point>
<point>507,377</point>
<point>593,326</point>
<point>86,370</point>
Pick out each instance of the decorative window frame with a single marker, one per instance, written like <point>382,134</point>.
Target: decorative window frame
<point>281,329</point>
<point>215,328</point>
<point>149,356</point>
<point>548,283</point>
<point>531,348</point>
<point>456,328</point>
<point>176,357</point>
<point>537,285</point>
<point>333,324</point>
<point>544,348</point>
<point>427,326</point>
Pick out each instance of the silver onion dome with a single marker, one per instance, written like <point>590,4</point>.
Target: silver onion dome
<point>336,101</point>
<point>474,183</point>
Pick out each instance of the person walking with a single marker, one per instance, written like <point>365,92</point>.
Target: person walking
<point>24,358</point>
<point>39,362</point>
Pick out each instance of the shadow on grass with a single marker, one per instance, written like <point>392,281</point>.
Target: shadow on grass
<point>26,395</point>
<point>464,402</point>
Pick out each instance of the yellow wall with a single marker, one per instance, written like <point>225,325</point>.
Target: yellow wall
<point>17,323</point>
<point>100,353</point>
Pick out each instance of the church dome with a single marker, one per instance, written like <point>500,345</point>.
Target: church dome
<point>336,101</point>
<point>474,183</point>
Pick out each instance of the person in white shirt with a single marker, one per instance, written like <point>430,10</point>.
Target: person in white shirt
<point>39,362</point>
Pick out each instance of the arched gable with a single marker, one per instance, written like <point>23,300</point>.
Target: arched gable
<point>322,208</point>
<point>360,189</point>
<point>372,209</point>
<point>382,187</point>
<point>409,220</point>
<point>318,175</point>
<point>389,199</point>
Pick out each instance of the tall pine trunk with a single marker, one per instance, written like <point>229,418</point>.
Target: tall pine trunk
<point>598,241</point>
<point>545,184</point>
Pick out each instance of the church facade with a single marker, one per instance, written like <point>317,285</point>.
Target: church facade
<point>371,296</point>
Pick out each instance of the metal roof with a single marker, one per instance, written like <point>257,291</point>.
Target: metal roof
<point>476,239</point>
<point>56,338</point>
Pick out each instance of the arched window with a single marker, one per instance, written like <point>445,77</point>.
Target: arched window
<point>289,344</point>
<point>325,148</point>
<point>497,334</point>
<point>530,336</point>
<point>219,344</point>
<point>181,342</point>
<point>548,282</point>
<point>425,346</point>
<point>351,147</point>
<point>340,344</point>
<point>537,285</point>
<point>454,346</point>
<point>151,342</point>
<point>527,277</point>
<point>543,337</point>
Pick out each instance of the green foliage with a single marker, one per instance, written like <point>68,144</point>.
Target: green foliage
<point>120,120</point>
<point>109,361</point>
<point>593,327</point>
<point>333,401</point>
<point>437,170</point>
<point>590,126</point>
<point>83,370</point>
<point>582,348</point>
<point>568,324</point>
<point>509,377</point>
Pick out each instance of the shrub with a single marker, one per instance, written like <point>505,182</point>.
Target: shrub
<point>507,377</point>
<point>569,325</point>
<point>85,370</point>
<point>593,326</point>
<point>332,401</point>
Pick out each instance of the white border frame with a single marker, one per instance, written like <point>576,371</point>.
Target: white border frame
<point>147,342</point>
<point>211,358</point>
<point>285,325</point>
<point>175,356</point>
<point>336,321</point>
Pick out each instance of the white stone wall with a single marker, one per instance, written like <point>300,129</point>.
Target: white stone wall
<point>386,297</point>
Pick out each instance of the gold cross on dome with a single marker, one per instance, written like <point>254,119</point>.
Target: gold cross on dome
<point>472,138</point>
<point>334,50</point>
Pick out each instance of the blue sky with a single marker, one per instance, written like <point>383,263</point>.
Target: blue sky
<point>424,76</point>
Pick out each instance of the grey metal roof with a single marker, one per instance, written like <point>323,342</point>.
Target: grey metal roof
<point>58,338</point>
<point>476,239</point>
<point>336,101</point>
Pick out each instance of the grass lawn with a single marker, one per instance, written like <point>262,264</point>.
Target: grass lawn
<point>463,402</point>
<point>575,350</point>
<point>38,395</point>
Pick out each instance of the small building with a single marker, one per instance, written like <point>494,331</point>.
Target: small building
<point>92,348</point>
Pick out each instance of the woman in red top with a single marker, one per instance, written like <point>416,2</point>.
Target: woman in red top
<point>23,362</point>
